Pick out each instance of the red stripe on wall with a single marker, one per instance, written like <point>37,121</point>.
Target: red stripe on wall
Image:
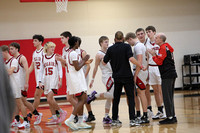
<point>27,49</point>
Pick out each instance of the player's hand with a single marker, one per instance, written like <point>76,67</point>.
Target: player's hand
<point>152,52</point>
<point>58,57</point>
<point>89,61</point>
<point>26,86</point>
<point>86,57</point>
<point>144,68</point>
<point>91,83</point>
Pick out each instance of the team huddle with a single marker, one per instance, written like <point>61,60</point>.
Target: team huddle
<point>147,71</point>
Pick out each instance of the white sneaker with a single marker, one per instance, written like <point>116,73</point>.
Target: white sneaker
<point>15,123</point>
<point>38,119</point>
<point>24,125</point>
<point>83,125</point>
<point>150,113</point>
<point>159,115</point>
<point>71,124</point>
<point>84,117</point>
<point>52,122</point>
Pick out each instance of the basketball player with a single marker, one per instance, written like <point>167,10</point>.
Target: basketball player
<point>139,53</point>
<point>86,68</point>
<point>14,75</point>
<point>52,72</point>
<point>140,34</point>
<point>76,83</point>
<point>35,65</point>
<point>106,79</point>
<point>154,73</point>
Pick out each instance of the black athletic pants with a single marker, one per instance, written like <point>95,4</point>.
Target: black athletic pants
<point>128,84</point>
<point>168,96</point>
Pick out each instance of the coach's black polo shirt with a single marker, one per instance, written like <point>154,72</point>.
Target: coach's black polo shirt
<point>119,55</point>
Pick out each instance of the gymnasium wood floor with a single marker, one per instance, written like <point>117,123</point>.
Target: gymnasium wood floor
<point>187,111</point>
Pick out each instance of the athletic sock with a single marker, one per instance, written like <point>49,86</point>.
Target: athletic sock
<point>26,119</point>
<point>35,112</point>
<point>160,109</point>
<point>17,118</point>
<point>145,114</point>
<point>106,114</point>
<point>90,113</point>
<point>57,112</point>
<point>150,108</point>
<point>138,114</point>
<point>29,115</point>
<point>80,119</point>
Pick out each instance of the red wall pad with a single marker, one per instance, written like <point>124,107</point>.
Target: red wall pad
<point>27,49</point>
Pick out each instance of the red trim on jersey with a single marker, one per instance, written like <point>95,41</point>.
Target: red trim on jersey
<point>140,84</point>
<point>19,56</point>
<point>8,60</point>
<point>79,94</point>
<point>102,51</point>
<point>49,57</point>
<point>81,53</point>
<point>109,84</point>
<point>67,49</point>
<point>39,50</point>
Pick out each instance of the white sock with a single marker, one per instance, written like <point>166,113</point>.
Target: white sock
<point>71,118</point>
<point>97,95</point>
<point>54,116</point>
<point>80,119</point>
<point>106,114</point>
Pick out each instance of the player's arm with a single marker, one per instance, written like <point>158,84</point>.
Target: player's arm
<point>60,73</point>
<point>84,53</point>
<point>79,65</point>
<point>97,62</point>
<point>59,58</point>
<point>25,65</point>
<point>41,71</point>
<point>31,68</point>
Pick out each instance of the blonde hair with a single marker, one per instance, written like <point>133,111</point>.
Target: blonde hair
<point>47,45</point>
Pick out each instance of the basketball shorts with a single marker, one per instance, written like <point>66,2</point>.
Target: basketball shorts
<point>154,75</point>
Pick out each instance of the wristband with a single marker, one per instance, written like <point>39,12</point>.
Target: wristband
<point>93,79</point>
<point>141,66</point>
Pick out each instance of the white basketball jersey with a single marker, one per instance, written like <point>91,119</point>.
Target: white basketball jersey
<point>105,69</point>
<point>22,73</point>
<point>140,49</point>
<point>80,53</point>
<point>51,69</point>
<point>152,45</point>
<point>76,82</point>
<point>37,61</point>
<point>14,77</point>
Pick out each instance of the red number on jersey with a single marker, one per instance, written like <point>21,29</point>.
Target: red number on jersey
<point>49,71</point>
<point>37,65</point>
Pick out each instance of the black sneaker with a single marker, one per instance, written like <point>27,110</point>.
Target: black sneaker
<point>175,119</point>
<point>90,118</point>
<point>116,123</point>
<point>167,121</point>
<point>144,119</point>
